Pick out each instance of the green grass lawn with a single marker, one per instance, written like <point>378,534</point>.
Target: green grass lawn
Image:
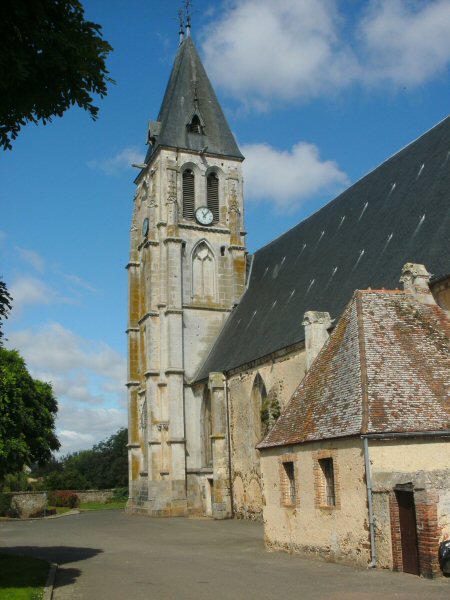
<point>100,506</point>
<point>60,510</point>
<point>22,577</point>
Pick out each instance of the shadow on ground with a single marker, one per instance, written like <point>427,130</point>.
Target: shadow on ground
<point>60,555</point>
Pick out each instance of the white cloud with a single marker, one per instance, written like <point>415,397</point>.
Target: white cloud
<point>406,42</point>
<point>80,428</point>
<point>88,379</point>
<point>280,49</point>
<point>118,163</point>
<point>30,290</point>
<point>287,179</point>
<point>52,347</point>
<point>31,257</point>
<point>294,50</point>
<point>79,282</point>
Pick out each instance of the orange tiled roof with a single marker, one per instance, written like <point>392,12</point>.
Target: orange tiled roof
<point>385,368</point>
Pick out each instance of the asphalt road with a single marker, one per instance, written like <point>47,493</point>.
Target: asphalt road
<point>109,555</point>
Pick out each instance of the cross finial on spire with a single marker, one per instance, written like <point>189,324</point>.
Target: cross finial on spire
<point>180,19</point>
<point>187,8</point>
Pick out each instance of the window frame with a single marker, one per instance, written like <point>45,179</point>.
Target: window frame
<point>327,497</point>
<point>188,211</point>
<point>288,476</point>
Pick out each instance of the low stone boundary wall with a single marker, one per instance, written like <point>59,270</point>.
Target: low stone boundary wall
<point>101,496</point>
<point>29,504</point>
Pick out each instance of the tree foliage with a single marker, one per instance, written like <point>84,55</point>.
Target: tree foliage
<point>103,466</point>
<point>51,59</point>
<point>27,416</point>
<point>5,305</point>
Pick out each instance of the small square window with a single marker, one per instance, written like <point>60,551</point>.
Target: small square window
<point>288,489</point>
<point>328,495</point>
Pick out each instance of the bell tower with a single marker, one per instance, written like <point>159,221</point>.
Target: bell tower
<point>186,271</point>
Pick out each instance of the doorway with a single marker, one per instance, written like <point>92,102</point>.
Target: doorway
<point>408,531</point>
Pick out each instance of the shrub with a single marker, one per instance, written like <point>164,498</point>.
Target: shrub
<point>120,494</point>
<point>63,498</point>
<point>6,506</point>
<point>69,479</point>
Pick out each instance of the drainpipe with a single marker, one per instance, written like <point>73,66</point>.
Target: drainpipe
<point>373,550</point>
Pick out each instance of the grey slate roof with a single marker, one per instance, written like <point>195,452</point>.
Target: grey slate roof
<point>400,383</point>
<point>190,92</point>
<point>398,213</point>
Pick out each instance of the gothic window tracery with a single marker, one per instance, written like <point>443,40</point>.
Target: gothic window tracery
<point>203,273</point>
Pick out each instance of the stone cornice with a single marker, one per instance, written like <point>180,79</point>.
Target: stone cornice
<point>206,307</point>
<point>205,228</point>
<point>152,373</point>
<point>173,240</point>
<point>173,311</point>
<point>132,330</point>
<point>134,263</point>
<point>130,384</point>
<point>150,313</point>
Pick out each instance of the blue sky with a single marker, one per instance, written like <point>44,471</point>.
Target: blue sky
<point>321,90</point>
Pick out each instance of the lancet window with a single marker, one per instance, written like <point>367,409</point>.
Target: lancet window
<point>188,194</point>
<point>207,429</point>
<point>203,273</point>
<point>212,195</point>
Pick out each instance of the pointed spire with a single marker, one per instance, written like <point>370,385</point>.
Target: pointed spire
<point>190,97</point>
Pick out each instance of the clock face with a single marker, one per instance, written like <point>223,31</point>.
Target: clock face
<point>145,227</point>
<point>204,216</point>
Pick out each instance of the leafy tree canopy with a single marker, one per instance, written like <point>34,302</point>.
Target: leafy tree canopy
<point>51,59</point>
<point>103,466</point>
<point>5,305</point>
<point>27,416</point>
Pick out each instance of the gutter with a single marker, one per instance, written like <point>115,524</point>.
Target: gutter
<point>406,434</point>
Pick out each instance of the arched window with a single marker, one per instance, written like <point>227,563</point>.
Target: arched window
<point>259,402</point>
<point>188,194</point>
<point>195,125</point>
<point>207,429</point>
<point>212,195</point>
<point>203,273</point>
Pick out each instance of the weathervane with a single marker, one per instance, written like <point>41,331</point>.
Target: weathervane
<point>185,11</point>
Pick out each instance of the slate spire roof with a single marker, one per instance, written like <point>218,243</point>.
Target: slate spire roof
<point>384,369</point>
<point>398,213</point>
<point>190,99</point>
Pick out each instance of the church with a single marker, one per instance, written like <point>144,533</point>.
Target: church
<point>219,340</point>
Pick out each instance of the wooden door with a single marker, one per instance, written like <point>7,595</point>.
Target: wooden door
<point>408,532</point>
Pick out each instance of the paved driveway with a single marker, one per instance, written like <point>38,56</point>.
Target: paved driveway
<point>109,555</point>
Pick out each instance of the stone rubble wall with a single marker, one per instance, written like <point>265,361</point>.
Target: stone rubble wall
<point>29,504</point>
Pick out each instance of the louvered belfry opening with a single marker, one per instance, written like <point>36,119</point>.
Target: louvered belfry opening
<point>212,195</point>
<point>195,126</point>
<point>188,194</point>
